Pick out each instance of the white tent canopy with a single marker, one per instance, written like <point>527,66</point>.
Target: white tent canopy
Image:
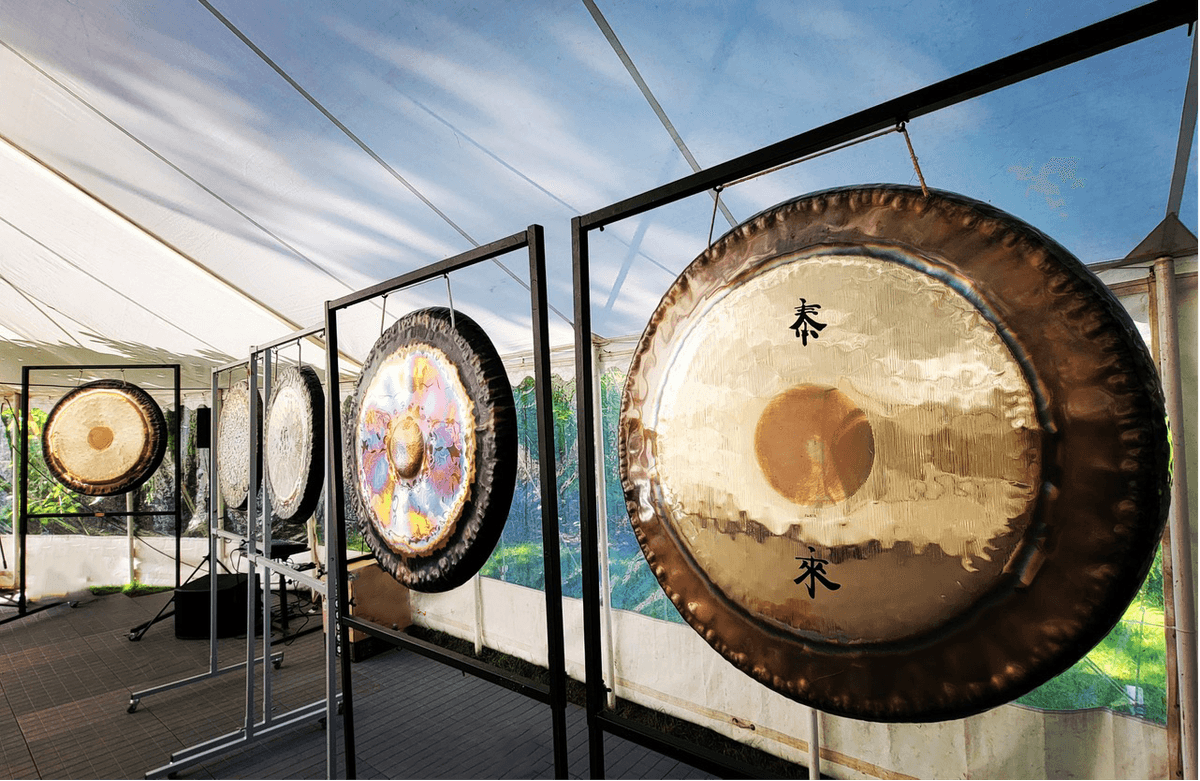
<point>183,180</point>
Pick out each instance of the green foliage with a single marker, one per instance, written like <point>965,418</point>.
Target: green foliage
<point>44,493</point>
<point>1133,654</point>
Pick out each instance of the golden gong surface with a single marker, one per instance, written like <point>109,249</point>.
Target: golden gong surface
<point>104,438</point>
<point>898,457</point>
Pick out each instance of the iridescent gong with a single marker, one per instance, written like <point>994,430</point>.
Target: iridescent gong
<point>294,441</point>
<point>104,438</point>
<point>898,457</point>
<point>432,446</point>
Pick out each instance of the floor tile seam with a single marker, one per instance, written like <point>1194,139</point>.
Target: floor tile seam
<point>20,730</point>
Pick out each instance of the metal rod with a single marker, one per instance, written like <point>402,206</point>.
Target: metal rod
<point>331,463</point>
<point>488,672</point>
<point>179,449</point>
<point>251,521</point>
<point>586,447</point>
<point>23,516</point>
<point>265,520</point>
<point>100,366</point>
<point>283,569</point>
<point>295,336</point>
<point>195,678</point>
<point>1085,42</point>
<point>118,514</point>
<point>552,566</point>
<point>1180,520</point>
<point>129,528</point>
<point>468,258</point>
<point>335,540</point>
<point>697,755</point>
<point>213,518</point>
<point>223,744</point>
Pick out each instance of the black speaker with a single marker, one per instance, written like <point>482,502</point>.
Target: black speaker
<point>203,427</point>
<point>191,608</point>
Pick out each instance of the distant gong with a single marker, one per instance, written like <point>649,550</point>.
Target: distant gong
<point>294,438</point>
<point>432,446</point>
<point>899,457</point>
<point>233,445</point>
<point>104,438</point>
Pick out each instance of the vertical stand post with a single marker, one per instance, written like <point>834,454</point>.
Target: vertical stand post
<point>335,539</point>
<point>214,514</point>
<point>251,540</point>
<point>586,444</point>
<point>549,493</point>
<point>179,451</point>
<point>268,369</point>
<point>22,520</point>
<point>1180,520</point>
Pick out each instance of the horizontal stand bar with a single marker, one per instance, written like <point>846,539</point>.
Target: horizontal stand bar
<point>293,337</point>
<point>488,672</point>
<point>289,573</point>
<point>133,696</point>
<point>694,754</point>
<point>211,749</point>
<point>468,258</point>
<point>1085,42</point>
<point>118,514</point>
<point>105,367</point>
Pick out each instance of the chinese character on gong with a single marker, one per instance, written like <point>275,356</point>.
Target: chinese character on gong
<point>805,326</point>
<point>812,569</point>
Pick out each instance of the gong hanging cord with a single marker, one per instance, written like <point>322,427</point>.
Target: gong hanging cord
<point>450,298</point>
<point>383,314</point>
<point>913,155</point>
<point>716,201</point>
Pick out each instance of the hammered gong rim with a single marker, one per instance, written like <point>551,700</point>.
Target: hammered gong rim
<point>484,510</point>
<point>150,456</point>
<point>1105,476</point>
<point>299,439</point>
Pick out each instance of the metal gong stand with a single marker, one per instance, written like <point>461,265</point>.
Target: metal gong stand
<point>257,547</point>
<point>23,515</point>
<point>553,695</point>
<point>1073,47</point>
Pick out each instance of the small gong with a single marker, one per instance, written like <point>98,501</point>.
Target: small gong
<point>104,438</point>
<point>295,442</point>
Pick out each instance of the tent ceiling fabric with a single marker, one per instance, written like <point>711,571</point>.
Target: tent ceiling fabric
<point>169,196</point>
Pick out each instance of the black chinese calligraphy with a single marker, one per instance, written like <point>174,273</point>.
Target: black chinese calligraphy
<point>805,326</point>
<point>812,569</point>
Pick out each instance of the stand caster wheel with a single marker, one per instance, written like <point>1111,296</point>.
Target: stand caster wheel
<point>277,663</point>
<point>321,722</point>
<point>133,703</point>
<point>134,637</point>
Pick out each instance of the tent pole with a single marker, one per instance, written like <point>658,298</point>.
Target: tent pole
<point>1180,521</point>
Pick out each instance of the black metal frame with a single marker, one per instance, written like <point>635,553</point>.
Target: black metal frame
<point>554,694</point>
<point>1073,47</point>
<point>23,514</point>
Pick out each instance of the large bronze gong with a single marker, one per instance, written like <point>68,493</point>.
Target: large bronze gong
<point>295,442</point>
<point>233,445</point>
<point>900,458</point>
<point>104,438</point>
<point>432,446</point>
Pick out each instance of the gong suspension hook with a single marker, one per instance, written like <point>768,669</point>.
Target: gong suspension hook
<point>450,298</point>
<point>916,166</point>
<point>383,314</point>
<point>716,202</point>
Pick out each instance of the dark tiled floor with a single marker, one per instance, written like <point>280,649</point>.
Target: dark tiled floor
<point>66,675</point>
